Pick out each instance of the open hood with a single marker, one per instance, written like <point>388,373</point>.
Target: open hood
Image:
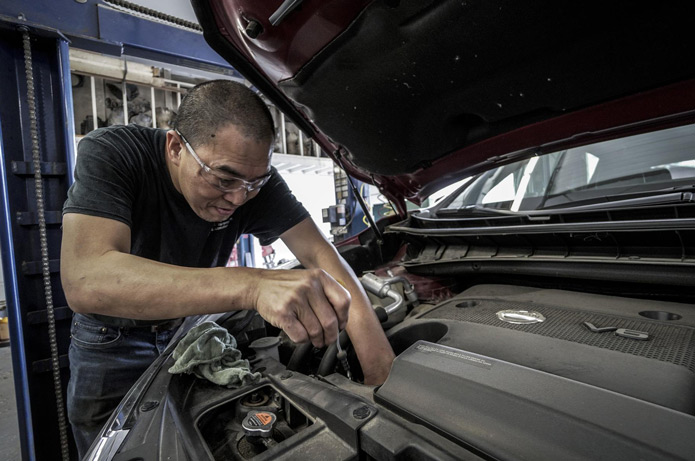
<point>414,95</point>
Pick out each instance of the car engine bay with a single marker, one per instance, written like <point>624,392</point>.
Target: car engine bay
<point>493,366</point>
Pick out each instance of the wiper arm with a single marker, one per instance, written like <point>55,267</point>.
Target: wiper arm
<point>478,209</point>
<point>671,196</point>
<point>652,198</point>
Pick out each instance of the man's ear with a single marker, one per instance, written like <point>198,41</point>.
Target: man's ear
<point>174,147</point>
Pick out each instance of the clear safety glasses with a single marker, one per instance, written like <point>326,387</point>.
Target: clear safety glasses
<point>224,182</point>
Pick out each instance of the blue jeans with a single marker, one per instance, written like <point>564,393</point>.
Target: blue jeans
<point>105,362</point>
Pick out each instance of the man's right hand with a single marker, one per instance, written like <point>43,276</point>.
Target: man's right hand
<point>308,305</point>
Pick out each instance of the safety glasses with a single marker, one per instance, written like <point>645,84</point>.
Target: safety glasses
<point>224,182</point>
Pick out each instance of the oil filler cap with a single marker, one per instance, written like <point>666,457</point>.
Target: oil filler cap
<point>258,423</point>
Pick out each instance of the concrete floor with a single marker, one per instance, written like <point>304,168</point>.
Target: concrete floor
<point>9,429</point>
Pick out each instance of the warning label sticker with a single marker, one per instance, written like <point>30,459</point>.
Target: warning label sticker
<point>264,418</point>
<point>455,354</point>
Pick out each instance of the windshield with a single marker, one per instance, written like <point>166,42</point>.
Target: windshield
<point>641,163</point>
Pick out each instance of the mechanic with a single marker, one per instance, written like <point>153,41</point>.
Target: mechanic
<point>148,226</point>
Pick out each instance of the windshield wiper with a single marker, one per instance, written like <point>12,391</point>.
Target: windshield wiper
<point>478,210</point>
<point>662,197</point>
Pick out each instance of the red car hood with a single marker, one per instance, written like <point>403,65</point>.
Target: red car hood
<point>413,95</point>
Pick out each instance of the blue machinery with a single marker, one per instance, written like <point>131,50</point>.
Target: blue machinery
<point>38,135</point>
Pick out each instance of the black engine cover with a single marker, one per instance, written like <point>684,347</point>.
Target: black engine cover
<point>660,369</point>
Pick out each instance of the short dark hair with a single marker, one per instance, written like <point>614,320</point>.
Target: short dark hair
<point>212,105</point>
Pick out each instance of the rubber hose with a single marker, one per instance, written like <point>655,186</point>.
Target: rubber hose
<point>299,356</point>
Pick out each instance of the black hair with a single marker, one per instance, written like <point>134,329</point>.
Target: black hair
<point>212,105</point>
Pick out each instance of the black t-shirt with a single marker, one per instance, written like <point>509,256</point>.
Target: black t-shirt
<point>121,174</point>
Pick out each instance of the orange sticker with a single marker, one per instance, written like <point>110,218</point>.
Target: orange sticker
<point>264,418</point>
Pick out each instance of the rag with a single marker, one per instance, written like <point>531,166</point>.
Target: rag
<point>209,352</point>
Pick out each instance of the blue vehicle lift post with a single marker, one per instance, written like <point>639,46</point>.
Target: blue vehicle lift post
<point>21,246</point>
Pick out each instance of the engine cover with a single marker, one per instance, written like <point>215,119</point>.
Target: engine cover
<point>508,411</point>
<point>643,349</point>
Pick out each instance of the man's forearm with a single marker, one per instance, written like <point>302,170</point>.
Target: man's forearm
<point>124,285</point>
<point>373,349</point>
<point>371,346</point>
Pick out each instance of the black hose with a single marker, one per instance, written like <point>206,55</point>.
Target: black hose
<point>299,356</point>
